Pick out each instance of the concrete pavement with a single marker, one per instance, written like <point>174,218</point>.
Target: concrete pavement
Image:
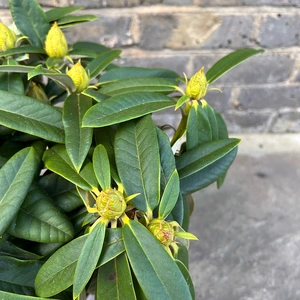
<point>249,230</point>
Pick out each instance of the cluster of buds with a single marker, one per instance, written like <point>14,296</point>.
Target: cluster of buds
<point>8,38</point>
<point>197,86</point>
<point>163,231</point>
<point>110,204</point>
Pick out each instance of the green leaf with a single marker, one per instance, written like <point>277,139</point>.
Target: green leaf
<point>57,13</point>
<point>16,68</point>
<point>23,50</point>
<point>125,107</point>
<point>135,72</point>
<point>212,121</point>
<point>30,20</point>
<point>228,62</point>
<point>9,249</point>
<point>57,160</point>
<point>155,270</point>
<point>57,273</point>
<point>113,245</point>
<point>88,258</point>
<point>201,156</point>
<point>17,276</point>
<point>78,139</point>
<point>181,101</point>
<point>170,196</point>
<point>32,221</point>
<point>15,177</point>
<point>114,280</point>
<point>208,175</point>
<point>198,130</point>
<point>187,277</point>
<point>98,64</point>
<point>94,94</point>
<point>72,20</point>
<point>137,159</point>
<point>167,160</point>
<point>68,200</point>
<point>223,134</point>
<point>102,167</point>
<point>63,80</point>
<point>124,86</point>
<point>13,296</point>
<point>31,116</point>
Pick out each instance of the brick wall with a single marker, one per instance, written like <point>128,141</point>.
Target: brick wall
<point>261,95</point>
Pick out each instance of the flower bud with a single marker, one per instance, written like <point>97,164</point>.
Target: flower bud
<point>162,230</point>
<point>56,45</point>
<point>7,38</point>
<point>197,85</point>
<point>37,92</point>
<point>79,77</point>
<point>110,204</point>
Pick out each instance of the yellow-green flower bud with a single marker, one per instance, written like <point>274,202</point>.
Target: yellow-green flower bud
<point>56,45</point>
<point>110,204</point>
<point>197,85</point>
<point>79,77</point>
<point>7,38</point>
<point>162,230</point>
<point>37,92</point>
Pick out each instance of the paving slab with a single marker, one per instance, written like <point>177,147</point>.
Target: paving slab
<point>249,230</point>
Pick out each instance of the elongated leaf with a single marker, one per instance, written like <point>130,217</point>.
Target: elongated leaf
<point>95,95</point>
<point>57,274</point>
<point>57,160</point>
<point>135,72</point>
<point>32,221</point>
<point>155,270</point>
<point>228,62</point>
<point>15,177</point>
<point>187,277</point>
<point>63,80</point>
<point>57,13</point>
<point>101,167</point>
<point>31,116</point>
<point>208,175</point>
<point>78,139</point>
<point>97,65</point>
<point>30,20</point>
<point>16,68</point>
<point>124,86</point>
<point>23,50</point>
<point>68,201</point>
<point>88,258</point>
<point>17,276</point>
<point>125,107</point>
<point>10,249</point>
<point>137,159</point>
<point>181,101</point>
<point>167,160</point>
<point>198,130</point>
<point>200,157</point>
<point>212,121</point>
<point>13,296</point>
<point>170,196</point>
<point>114,280</point>
<point>71,20</point>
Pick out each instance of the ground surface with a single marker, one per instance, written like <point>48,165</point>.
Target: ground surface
<point>249,231</point>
